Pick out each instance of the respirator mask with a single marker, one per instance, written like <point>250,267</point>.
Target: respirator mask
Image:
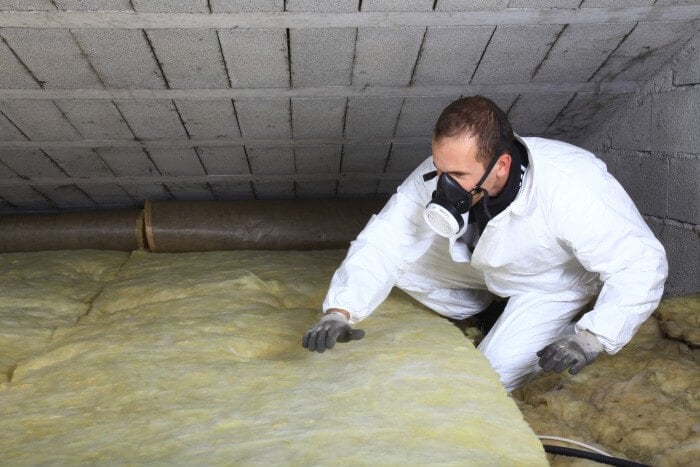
<point>446,213</point>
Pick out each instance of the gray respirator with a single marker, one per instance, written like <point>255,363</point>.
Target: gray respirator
<point>446,212</point>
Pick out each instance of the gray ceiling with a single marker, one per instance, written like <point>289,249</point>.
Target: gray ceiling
<point>111,102</point>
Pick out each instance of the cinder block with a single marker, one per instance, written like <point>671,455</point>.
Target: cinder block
<point>320,189</point>
<point>128,161</point>
<point>256,58</point>
<point>93,5</point>
<point>191,58</point>
<point>264,118</point>
<point>183,191</point>
<point>107,194</point>
<point>26,198</point>
<point>579,52</point>
<point>609,157</point>
<point>274,190</point>
<point>393,5</point>
<point>317,159</point>
<point>644,51</point>
<point>53,57</point>
<point>209,119</point>
<point>318,118</point>
<point>514,53</point>
<point>245,6</point>
<point>632,129</point>
<point>364,158</point>
<point>404,158</point>
<point>387,187</point>
<point>503,101</point>
<point>645,178</point>
<point>322,57</point>
<point>687,68</point>
<point>143,192</point>
<point>171,6</point>
<point>26,5</point>
<point>271,160</point>
<point>583,115</point>
<point>372,116</point>
<point>466,5</point>
<point>450,55</point>
<point>8,131</point>
<point>122,57</point>
<point>6,173</point>
<point>419,114</point>
<point>153,119</point>
<point>683,253</point>
<point>39,120</point>
<point>676,121</point>
<point>323,6</point>
<point>684,189</point>
<point>67,196</point>
<point>533,113</point>
<point>386,56</point>
<point>615,3</point>
<point>361,188</point>
<point>7,208</point>
<point>31,163</point>
<point>95,119</point>
<point>176,161</point>
<point>79,162</point>
<point>224,160</point>
<point>232,190</point>
<point>14,75</point>
<point>533,4</point>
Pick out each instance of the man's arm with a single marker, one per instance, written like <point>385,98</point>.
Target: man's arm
<point>397,234</point>
<point>606,233</point>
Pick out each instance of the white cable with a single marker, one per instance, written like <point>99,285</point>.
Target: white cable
<point>578,443</point>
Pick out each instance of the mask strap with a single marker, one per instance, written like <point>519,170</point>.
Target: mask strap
<point>477,188</point>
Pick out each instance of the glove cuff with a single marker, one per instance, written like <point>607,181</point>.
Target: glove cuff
<point>589,342</point>
<point>334,316</point>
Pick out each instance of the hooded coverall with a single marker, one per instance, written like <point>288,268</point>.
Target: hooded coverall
<point>571,234</point>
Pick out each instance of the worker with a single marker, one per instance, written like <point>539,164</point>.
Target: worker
<point>535,221</point>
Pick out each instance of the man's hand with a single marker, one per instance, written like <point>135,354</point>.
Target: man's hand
<point>332,328</point>
<point>578,351</point>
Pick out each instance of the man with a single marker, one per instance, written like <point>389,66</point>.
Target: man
<point>537,221</point>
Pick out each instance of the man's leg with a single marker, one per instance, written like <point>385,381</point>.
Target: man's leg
<point>529,322</point>
<point>454,290</point>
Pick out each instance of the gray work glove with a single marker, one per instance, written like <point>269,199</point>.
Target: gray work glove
<point>577,350</point>
<point>332,328</point>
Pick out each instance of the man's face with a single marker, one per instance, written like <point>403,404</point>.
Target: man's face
<point>456,156</point>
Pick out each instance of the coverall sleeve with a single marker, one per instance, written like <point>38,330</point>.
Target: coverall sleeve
<point>607,234</point>
<point>397,234</point>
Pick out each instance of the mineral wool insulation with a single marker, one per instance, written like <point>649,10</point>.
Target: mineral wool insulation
<point>197,358</point>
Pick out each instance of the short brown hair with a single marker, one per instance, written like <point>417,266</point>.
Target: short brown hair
<point>478,117</point>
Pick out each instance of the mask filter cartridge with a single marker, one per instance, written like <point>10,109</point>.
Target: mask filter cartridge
<point>442,221</point>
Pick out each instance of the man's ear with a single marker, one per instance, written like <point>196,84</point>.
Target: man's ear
<point>503,165</point>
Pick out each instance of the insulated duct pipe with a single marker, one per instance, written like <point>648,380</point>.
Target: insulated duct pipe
<point>179,226</point>
<point>99,230</point>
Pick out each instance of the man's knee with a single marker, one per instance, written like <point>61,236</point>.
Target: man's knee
<point>513,371</point>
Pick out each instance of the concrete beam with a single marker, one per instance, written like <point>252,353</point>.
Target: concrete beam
<point>319,92</point>
<point>310,19</point>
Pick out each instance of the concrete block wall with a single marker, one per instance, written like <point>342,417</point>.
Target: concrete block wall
<point>652,146</point>
<point>107,103</point>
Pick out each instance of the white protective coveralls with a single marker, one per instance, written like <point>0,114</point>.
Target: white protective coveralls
<point>571,233</point>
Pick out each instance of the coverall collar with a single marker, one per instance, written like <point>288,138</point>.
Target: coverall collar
<point>525,202</point>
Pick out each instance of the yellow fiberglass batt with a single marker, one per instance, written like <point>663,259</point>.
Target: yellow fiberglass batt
<point>196,358</point>
<point>42,291</point>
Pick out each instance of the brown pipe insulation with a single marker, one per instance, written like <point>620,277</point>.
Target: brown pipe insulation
<point>178,226</point>
<point>120,229</point>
